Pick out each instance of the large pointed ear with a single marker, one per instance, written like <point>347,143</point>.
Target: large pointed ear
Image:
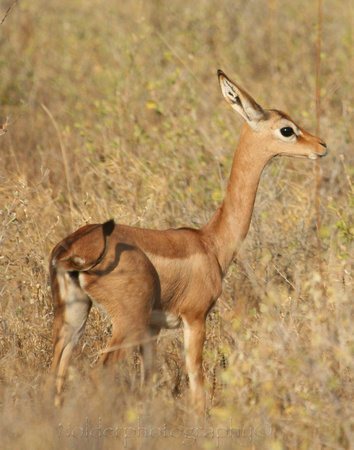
<point>241,101</point>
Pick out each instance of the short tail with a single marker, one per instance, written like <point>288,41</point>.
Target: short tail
<point>107,229</point>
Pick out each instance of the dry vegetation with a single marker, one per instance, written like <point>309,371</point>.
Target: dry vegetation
<point>116,112</point>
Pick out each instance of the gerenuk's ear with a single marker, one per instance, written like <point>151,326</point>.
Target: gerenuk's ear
<point>241,101</point>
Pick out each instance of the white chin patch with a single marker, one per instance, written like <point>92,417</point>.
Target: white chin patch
<point>313,156</point>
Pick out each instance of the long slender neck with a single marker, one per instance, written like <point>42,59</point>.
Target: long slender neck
<point>230,223</point>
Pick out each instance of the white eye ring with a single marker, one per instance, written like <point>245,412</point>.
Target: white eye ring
<point>287,133</point>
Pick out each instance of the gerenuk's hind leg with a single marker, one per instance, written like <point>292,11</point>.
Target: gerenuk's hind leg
<point>128,296</point>
<point>72,307</point>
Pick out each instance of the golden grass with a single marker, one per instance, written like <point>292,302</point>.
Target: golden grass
<point>116,112</point>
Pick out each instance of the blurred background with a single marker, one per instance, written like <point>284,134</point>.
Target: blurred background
<point>113,110</point>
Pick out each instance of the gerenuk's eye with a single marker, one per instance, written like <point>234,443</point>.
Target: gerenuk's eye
<point>287,131</point>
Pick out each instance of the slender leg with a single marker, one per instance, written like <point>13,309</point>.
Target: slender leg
<point>149,351</point>
<point>194,337</point>
<point>121,345</point>
<point>72,309</point>
<point>127,295</point>
<point>129,314</point>
<point>127,335</point>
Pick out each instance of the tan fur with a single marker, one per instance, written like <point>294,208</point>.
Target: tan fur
<point>169,276</point>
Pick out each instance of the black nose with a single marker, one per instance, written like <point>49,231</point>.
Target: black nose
<point>323,144</point>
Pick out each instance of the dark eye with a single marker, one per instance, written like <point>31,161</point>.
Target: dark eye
<point>287,131</point>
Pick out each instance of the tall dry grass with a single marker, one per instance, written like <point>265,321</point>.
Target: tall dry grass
<point>112,109</point>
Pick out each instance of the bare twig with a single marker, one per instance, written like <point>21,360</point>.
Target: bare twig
<point>318,119</point>
<point>318,66</point>
<point>335,85</point>
<point>14,205</point>
<point>347,176</point>
<point>3,127</point>
<point>65,160</point>
<point>8,12</point>
<point>133,344</point>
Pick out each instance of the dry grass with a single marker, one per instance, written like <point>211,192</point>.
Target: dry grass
<point>116,112</point>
